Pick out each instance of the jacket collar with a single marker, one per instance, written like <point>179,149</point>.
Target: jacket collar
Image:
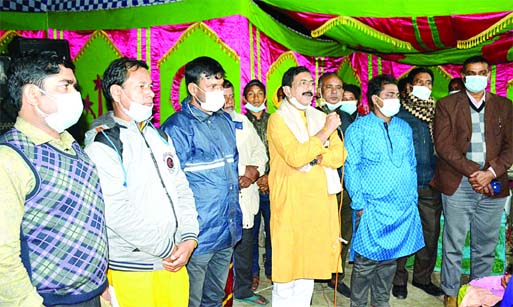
<point>195,112</point>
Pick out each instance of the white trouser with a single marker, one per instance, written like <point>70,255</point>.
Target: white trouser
<point>297,293</point>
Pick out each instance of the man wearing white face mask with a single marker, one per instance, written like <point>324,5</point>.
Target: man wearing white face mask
<point>150,213</point>
<point>255,103</point>
<point>331,90</point>
<point>473,135</point>
<point>252,162</point>
<point>381,179</point>
<point>53,242</point>
<point>305,152</point>
<point>418,110</point>
<point>204,137</point>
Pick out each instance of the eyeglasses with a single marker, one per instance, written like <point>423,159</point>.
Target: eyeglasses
<point>305,83</point>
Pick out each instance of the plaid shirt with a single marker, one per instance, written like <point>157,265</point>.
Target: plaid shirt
<point>62,242</point>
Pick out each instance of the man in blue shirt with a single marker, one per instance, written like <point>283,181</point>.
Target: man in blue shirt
<point>382,182</point>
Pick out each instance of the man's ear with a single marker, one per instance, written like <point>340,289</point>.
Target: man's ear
<point>287,90</point>
<point>115,92</point>
<point>192,88</point>
<point>318,93</point>
<point>374,100</point>
<point>30,93</point>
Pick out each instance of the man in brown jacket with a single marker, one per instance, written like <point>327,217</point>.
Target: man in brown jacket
<point>473,135</point>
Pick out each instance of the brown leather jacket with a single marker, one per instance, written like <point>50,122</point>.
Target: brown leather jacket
<point>452,133</point>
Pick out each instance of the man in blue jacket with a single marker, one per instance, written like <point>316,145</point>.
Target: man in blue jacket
<point>204,138</point>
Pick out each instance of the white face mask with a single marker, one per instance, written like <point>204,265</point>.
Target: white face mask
<point>390,106</point>
<point>214,101</point>
<point>349,106</point>
<point>69,109</point>
<point>476,84</point>
<point>454,92</point>
<point>293,101</point>
<point>136,111</point>
<point>254,109</point>
<point>421,92</point>
<point>333,106</point>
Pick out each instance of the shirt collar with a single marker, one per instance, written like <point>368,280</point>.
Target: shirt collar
<point>38,137</point>
<point>476,103</point>
<point>196,112</point>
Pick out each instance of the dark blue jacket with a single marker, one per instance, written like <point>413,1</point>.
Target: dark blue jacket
<point>205,145</point>
<point>424,149</point>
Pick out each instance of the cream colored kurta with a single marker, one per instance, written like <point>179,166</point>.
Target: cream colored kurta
<point>304,217</point>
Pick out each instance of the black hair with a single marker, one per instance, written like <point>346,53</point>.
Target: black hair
<point>116,74</point>
<point>401,84</point>
<point>326,75</point>
<point>473,60</point>
<point>376,85</point>
<point>289,75</point>
<point>455,80</point>
<point>227,84</point>
<point>202,66</point>
<point>353,89</point>
<point>32,67</point>
<point>418,70</point>
<point>252,83</point>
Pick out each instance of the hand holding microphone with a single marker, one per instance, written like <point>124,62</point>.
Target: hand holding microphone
<point>332,122</point>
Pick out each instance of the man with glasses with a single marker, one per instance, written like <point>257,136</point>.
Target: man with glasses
<point>381,179</point>
<point>204,138</point>
<point>331,92</point>
<point>305,153</point>
<point>473,135</point>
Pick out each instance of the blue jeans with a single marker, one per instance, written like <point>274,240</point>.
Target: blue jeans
<point>265,211</point>
<point>464,210</point>
<point>94,302</point>
<point>207,278</point>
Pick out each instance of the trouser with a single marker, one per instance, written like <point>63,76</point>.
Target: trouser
<point>463,210</point>
<point>150,289</point>
<point>94,302</point>
<point>207,278</point>
<point>347,229</point>
<point>374,275</point>
<point>297,293</point>
<point>242,260</point>
<point>430,210</point>
<point>265,213</point>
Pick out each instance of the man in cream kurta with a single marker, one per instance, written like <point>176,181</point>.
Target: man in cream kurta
<point>303,183</point>
<point>252,162</point>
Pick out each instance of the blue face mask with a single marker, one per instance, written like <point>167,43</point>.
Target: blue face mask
<point>476,84</point>
<point>254,109</point>
<point>348,106</point>
<point>333,106</point>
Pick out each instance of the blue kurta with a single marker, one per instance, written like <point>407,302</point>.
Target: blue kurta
<point>381,179</point>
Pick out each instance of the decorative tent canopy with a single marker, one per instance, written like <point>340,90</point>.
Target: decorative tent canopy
<point>357,39</point>
<point>416,39</point>
<point>404,31</point>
